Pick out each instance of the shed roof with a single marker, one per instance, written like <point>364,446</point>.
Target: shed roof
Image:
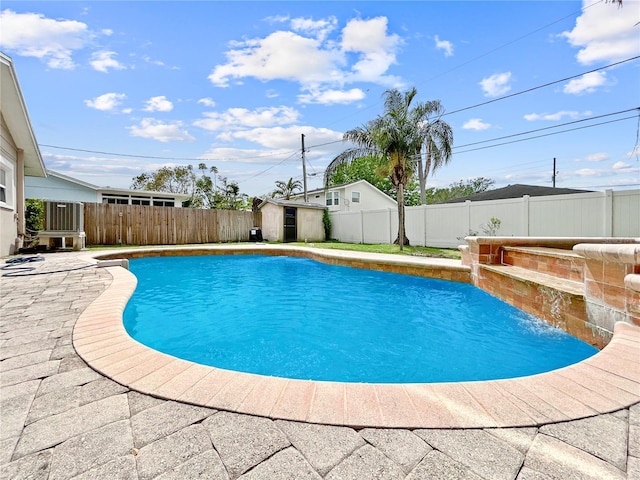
<point>290,203</point>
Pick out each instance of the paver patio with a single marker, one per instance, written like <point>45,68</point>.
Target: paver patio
<point>60,419</point>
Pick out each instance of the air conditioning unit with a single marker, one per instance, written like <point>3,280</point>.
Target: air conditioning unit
<point>63,216</point>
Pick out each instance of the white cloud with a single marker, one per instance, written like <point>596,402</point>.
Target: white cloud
<point>605,33</point>
<point>317,28</point>
<point>445,45</point>
<point>235,118</point>
<point>158,104</point>
<point>34,35</point>
<point>552,116</point>
<point>476,124</point>
<point>281,55</point>
<point>587,172</point>
<point>594,157</point>
<point>586,84</point>
<point>377,49</point>
<point>306,57</point>
<point>497,84</point>
<point>621,166</point>
<point>331,97</point>
<point>277,144</point>
<point>107,102</point>
<point>163,132</point>
<point>207,102</point>
<point>102,61</point>
<point>287,137</point>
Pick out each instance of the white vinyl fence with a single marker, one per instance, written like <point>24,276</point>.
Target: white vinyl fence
<point>597,214</point>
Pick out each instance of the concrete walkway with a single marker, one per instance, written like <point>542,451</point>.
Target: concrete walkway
<point>60,419</point>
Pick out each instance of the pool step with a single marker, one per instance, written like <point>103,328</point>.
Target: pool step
<point>564,285</point>
<point>559,263</point>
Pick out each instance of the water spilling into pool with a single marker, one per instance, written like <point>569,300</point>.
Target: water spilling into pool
<point>298,318</point>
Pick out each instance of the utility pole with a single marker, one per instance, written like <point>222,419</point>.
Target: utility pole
<point>553,177</point>
<point>304,172</point>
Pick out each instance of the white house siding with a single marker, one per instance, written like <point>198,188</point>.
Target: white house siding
<point>370,198</point>
<point>8,223</point>
<point>58,189</point>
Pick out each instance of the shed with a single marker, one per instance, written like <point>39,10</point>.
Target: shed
<point>289,221</point>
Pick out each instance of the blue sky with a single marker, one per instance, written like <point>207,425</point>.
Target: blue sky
<point>118,88</point>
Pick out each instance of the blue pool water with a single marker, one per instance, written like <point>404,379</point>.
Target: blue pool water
<point>297,318</point>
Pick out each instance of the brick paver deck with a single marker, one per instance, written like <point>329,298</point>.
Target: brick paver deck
<point>62,419</point>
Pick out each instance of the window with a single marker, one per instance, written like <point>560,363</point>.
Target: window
<point>3,185</point>
<point>355,197</point>
<point>139,201</point>
<point>333,198</point>
<point>163,203</point>
<point>115,200</point>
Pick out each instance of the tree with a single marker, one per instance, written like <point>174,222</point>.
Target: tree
<point>202,188</point>
<point>365,168</point>
<point>286,189</point>
<point>229,196</point>
<point>393,140</point>
<point>167,179</point>
<point>461,188</point>
<point>437,139</point>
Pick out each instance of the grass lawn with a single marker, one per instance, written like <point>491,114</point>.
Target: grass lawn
<point>385,248</point>
<point>358,247</point>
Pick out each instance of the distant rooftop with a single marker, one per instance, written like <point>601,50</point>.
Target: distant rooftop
<point>516,191</point>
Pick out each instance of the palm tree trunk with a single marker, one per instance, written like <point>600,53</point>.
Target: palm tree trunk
<point>402,239</point>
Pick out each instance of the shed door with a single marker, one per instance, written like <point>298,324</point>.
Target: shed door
<point>290,231</point>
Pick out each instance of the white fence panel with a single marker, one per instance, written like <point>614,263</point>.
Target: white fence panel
<point>346,227</point>
<point>626,214</point>
<point>597,214</point>
<point>377,226</point>
<point>447,224</point>
<point>578,215</point>
<point>415,224</point>
<point>511,213</point>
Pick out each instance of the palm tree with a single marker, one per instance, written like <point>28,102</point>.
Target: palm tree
<point>395,139</point>
<point>286,189</point>
<point>437,139</point>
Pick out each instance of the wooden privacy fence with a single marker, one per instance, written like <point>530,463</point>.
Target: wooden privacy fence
<point>110,224</point>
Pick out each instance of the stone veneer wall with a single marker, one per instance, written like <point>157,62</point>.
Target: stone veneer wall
<point>610,279</point>
<point>612,283</point>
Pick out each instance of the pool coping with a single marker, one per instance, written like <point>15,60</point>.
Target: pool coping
<point>605,382</point>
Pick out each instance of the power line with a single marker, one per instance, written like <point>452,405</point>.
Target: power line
<point>151,157</point>
<point>267,169</point>
<point>548,128</point>
<point>546,135</point>
<point>512,42</point>
<point>540,86</point>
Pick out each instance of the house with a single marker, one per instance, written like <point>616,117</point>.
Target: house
<point>291,221</point>
<point>349,197</point>
<point>62,188</point>
<point>515,191</point>
<point>19,158</point>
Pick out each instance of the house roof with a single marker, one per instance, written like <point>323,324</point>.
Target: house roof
<point>516,191</point>
<point>290,203</point>
<point>14,113</point>
<point>67,178</point>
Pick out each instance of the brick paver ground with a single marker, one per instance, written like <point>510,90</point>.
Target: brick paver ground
<point>62,420</point>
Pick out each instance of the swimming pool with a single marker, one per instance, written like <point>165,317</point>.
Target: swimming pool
<point>298,318</point>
